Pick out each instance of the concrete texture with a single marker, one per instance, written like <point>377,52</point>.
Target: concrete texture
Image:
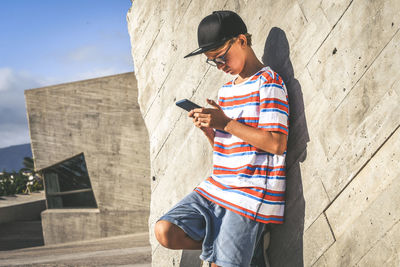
<point>21,234</point>
<point>339,60</point>
<point>20,224</point>
<point>127,250</point>
<point>22,207</point>
<point>101,118</point>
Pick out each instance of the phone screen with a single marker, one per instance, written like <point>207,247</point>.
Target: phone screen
<point>187,104</point>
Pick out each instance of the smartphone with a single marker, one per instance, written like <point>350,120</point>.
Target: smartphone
<point>187,104</point>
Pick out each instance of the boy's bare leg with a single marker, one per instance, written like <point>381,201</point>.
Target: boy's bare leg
<point>171,236</point>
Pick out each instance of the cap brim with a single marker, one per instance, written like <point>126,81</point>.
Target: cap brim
<point>199,50</point>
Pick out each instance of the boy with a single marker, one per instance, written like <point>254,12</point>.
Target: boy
<point>248,128</point>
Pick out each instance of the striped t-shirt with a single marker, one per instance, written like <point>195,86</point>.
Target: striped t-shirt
<point>245,179</point>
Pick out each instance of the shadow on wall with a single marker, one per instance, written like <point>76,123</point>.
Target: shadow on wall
<point>287,239</point>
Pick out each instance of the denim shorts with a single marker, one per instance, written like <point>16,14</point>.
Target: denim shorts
<point>228,238</point>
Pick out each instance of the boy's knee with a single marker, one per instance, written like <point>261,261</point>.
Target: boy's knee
<point>163,231</point>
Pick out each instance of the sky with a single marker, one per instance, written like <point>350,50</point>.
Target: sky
<point>47,42</point>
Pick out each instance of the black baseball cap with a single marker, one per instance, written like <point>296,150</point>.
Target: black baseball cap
<point>217,28</point>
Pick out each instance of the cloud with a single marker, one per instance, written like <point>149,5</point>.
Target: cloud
<point>13,121</point>
<point>93,61</point>
<point>14,134</point>
<point>99,72</point>
<point>5,78</point>
<point>11,81</point>
<point>98,55</point>
<point>83,54</point>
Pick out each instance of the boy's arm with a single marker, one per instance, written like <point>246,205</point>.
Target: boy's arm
<point>208,131</point>
<point>273,142</point>
<point>269,141</point>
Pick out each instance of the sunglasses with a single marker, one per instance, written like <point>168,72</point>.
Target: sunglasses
<point>219,60</point>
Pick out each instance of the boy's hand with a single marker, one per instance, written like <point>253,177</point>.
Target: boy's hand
<point>209,117</point>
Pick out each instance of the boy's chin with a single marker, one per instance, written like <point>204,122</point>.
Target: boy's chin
<point>231,72</point>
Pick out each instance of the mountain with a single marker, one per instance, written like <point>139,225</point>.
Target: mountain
<point>11,157</point>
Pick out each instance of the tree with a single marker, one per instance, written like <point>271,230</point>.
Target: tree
<point>20,182</point>
<point>28,164</point>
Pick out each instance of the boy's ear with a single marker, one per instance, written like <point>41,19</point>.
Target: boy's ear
<point>242,40</point>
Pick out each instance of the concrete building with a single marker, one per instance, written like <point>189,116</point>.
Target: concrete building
<point>340,61</point>
<point>90,142</point>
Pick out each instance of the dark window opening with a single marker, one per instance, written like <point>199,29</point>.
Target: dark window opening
<point>67,184</point>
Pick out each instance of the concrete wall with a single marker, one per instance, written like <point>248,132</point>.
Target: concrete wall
<point>22,207</point>
<point>340,61</point>
<point>101,118</point>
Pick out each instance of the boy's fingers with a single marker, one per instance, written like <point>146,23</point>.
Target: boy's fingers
<point>198,110</point>
<point>197,124</point>
<point>202,115</point>
<point>212,103</point>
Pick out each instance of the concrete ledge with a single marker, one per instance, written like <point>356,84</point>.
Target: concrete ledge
<point>70,225</point>
<point>20,234</point>
<point>22,207</point>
